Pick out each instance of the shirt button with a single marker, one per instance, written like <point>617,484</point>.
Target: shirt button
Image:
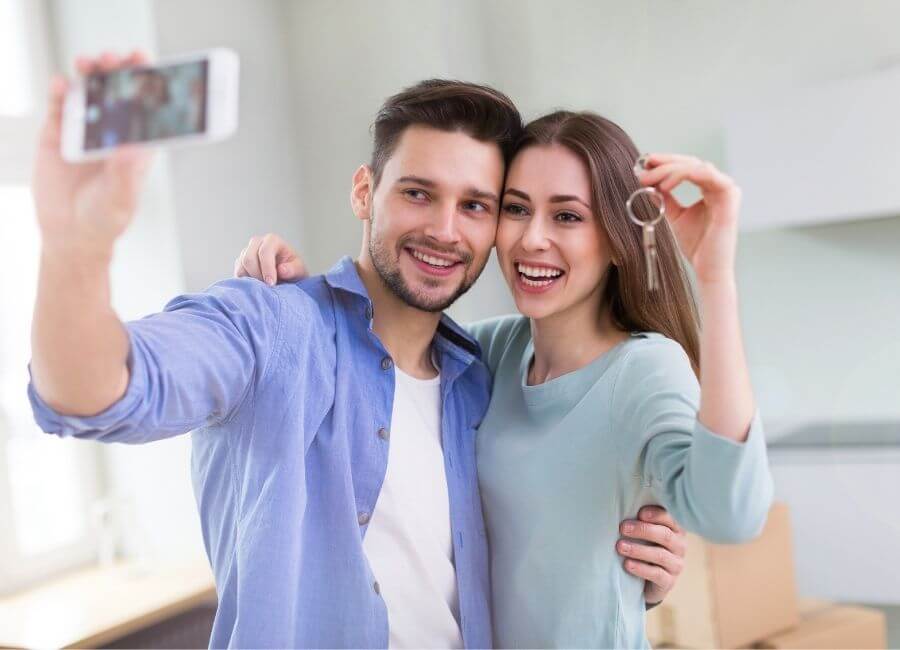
<point>383,433</point>
<point>368,312</point>
<point>363,518</point>
<point>377,588</point>
<point>387,363</point>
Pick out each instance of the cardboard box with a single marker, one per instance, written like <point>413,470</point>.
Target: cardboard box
<point>731,596</point>
<point>825,625</point>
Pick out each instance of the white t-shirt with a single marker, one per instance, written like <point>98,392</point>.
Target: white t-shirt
<point>408,541</point>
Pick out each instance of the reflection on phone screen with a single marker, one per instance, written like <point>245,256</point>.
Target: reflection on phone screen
<point>142,104</point>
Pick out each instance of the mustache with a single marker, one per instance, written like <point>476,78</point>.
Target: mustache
<point>463,256</point>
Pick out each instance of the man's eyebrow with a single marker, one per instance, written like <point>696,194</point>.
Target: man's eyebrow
<point>472,191</point>
<point>418,180</point>
<point>483,194</point>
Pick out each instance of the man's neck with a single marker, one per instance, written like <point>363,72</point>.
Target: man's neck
<point>405,332</point>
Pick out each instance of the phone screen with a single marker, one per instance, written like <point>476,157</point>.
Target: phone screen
<point>142,104</point>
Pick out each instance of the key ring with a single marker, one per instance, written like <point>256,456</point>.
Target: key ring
<point>650,192</point>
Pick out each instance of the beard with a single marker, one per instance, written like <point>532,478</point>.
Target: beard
<point>387,264</point>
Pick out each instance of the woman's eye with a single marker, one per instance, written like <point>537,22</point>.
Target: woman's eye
<point>568,217</point>
<point>514,210</point>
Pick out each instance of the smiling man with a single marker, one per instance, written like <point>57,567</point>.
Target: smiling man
<point>333,419</point>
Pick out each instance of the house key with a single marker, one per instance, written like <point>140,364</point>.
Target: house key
<point>649,230</point>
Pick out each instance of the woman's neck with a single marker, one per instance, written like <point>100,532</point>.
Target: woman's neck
<point>570,340</point>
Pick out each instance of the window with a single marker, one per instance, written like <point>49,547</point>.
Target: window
<point>46,485</point>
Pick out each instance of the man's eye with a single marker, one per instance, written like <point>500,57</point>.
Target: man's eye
<point>514,210</point>
<point>475,206</point>
<point>417,195</point>
<point>568,217</point>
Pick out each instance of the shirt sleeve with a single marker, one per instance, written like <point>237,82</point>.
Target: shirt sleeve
<point>191,365</point>
<point>713,486</point>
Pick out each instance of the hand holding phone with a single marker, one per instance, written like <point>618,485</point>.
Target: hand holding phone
<point>85,207</point>
<point>192,98</point>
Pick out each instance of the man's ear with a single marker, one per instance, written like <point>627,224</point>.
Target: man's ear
<point>361,193</point>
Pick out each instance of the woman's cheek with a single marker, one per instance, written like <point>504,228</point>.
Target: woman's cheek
<point>507,234</point>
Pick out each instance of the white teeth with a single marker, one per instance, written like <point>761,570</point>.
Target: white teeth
<point>536,272</point>
<point>428,259</point>
<point>536,283</point>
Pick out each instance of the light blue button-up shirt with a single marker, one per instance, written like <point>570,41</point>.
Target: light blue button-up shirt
<point>286,390</point>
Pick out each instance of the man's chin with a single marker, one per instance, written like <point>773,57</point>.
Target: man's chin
<point>427,297</point>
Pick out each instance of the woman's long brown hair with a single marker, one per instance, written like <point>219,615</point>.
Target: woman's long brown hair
<point>610,155</point>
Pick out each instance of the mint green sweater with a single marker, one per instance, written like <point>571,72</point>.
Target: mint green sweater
<point>561,464</point>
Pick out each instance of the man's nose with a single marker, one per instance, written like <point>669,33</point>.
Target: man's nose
<point>444,225</point>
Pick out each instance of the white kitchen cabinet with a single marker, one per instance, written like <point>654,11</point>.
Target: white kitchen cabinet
<point>819,154</point>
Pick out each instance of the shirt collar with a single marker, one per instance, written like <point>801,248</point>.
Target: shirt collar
<point>345,276</point>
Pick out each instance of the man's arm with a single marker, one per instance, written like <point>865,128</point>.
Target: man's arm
<point>95,377</point>
<point>79,345</point>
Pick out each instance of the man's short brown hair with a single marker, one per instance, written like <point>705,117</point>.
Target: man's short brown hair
<point>482,112</point>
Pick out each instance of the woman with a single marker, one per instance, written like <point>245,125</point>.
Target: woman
<point>596,408</point>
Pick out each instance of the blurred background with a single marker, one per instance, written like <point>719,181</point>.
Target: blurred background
<point>797,99</point>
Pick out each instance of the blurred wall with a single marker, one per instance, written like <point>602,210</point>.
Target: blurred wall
<point>819,304</point>
<point>226,192</point>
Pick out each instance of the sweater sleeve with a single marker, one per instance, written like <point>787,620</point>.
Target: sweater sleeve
<point>713,486</point>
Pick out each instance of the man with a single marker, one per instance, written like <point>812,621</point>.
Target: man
<point>295,393</point>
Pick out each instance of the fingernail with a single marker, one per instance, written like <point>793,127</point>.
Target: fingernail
<point>269,280</point>
<point>625,547</point>
<point>628,528</point>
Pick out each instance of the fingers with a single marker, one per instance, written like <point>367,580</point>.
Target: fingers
<point>127,168</point>
<point>278,261</point>
<point>267,254</point>
<point>673,540</point>
<point>660,516</point>
<point>651,554</point>
<point>56,99</point>
<point>250,259</point>
<point>292,271</point>
<point>652,573</point>
<point>109,61</point>
<point>239,271</point>
<point>667,171</point>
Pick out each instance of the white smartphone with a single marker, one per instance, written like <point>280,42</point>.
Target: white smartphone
<point>183,100</point>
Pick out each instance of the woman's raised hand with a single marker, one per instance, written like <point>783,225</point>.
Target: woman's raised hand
<point>269,258</point>
<point>706,230</point>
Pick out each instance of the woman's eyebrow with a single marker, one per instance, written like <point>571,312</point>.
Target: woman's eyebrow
<point>515,192</point>
<point>556,198</point>
<point>563,198</point>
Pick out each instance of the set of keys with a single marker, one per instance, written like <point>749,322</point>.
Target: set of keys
<point>648,226</point>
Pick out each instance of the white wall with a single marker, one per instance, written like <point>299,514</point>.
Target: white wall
<point>819,307</point>
<point>226,192</point>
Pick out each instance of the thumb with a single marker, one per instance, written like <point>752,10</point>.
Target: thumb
<point>126,170</point>
<point>292,270</point>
